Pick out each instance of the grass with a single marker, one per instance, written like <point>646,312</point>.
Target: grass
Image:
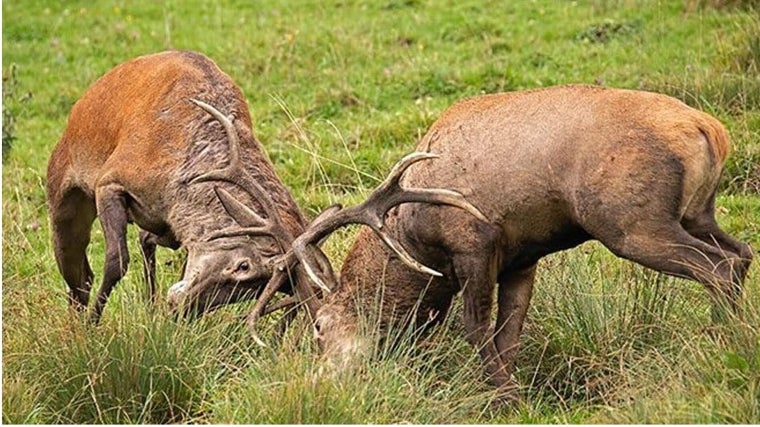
<point>338,92</point>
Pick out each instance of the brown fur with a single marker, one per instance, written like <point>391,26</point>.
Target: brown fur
<point>133,143</point>
<point>550,168</point>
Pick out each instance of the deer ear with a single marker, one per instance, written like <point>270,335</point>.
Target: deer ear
<point>241,213</point>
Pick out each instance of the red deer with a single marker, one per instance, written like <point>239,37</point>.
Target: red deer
<point>550,169</point>
<point>148,143</point>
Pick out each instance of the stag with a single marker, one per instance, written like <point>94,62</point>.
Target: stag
<point>550,169</point>
<point>136,149</point>
<point>144,144</point>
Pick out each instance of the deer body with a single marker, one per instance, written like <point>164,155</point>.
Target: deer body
<point>550,169</point>
<point>132,146</point>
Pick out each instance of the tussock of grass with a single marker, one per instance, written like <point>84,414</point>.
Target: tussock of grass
<point>591,322</point>
<point>21,401</point>
<point>638,345</point>
<point>710,378</point>
<point>142,369</point>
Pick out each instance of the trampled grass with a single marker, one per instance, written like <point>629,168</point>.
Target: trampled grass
<point>338,92</point>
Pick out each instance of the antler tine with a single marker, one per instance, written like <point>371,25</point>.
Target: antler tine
<point>372,213</point>
<point>290,260</point>
<point>251,223</point>
<point>223,174</point>
<point>239,232</point>
<point>278,279</point>
<point>424,195</point>
<point>287,302</point>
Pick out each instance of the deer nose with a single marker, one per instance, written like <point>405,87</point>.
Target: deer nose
<point>175,294</point>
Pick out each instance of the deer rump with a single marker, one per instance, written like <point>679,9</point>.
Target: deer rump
<point>550,169</point>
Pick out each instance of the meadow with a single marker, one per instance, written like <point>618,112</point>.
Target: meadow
<point>338,91</point>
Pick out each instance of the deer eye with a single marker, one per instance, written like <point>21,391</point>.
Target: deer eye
<point>243,266</point>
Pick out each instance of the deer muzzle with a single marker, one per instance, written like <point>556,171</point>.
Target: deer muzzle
<point>176,294</point>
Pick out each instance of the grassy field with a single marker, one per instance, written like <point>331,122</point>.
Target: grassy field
<point>338,91</point>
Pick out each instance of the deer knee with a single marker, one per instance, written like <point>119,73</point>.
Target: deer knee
<point>78,276</point>
<point>117,264</point>
<point>733,274</point>
<point>731,269</point>
<point>724,284</point>
<point>477,315</point>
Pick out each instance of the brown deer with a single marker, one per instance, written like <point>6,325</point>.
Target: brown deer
<point>147,143</point>
<point>550,169</point>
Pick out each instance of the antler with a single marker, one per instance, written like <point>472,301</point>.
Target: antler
<point>254,224</point>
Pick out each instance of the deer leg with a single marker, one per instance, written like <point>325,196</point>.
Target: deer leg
<point>112,211</point>
<point>71,223</point>
<point>515,291</point>
<point>668,248</point>
<point>477,273</point>
<point>148,249</point>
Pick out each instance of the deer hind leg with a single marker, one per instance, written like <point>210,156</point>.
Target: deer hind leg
<point>670,249</point>
<point>148,242</point>
<point>515,291</point>
<point>71,222</point>
<point>112,211</point>
<point>635,209</point>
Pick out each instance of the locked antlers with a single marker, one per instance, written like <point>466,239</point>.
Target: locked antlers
<point>302,252</point>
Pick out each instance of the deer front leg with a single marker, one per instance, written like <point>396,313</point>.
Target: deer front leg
<point>515,291</point>
<point>148,248</point>
<point>71,219</point>
<point>112,211</point>
<point>476,273</point>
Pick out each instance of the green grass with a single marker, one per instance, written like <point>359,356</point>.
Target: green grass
<point>338,92</point>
